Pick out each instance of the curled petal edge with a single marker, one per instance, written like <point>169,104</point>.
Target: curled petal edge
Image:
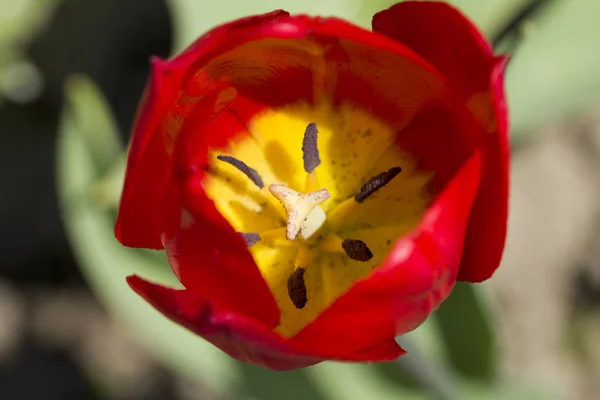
<point>244,338</point>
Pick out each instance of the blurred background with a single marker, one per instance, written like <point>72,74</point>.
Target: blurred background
<point>71,74</point>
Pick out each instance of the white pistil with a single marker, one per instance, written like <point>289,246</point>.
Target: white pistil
<point>299,206</point>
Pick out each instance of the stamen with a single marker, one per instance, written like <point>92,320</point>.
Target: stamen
<point>250,238</point>
<point>297,288</point>
<point>245,169</point>
<point>376,183</point>
<point>310,151</point>
<point>357,250</point>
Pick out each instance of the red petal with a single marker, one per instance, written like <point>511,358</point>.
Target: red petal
<point>243,338</point>
<point>486,233</point>
<point>416,276</point>
<point>215,263</point>
<point>149,164</point>
<point>443,36</point>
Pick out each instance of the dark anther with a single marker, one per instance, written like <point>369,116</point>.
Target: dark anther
<point>240,165</point>
<point>250,238</point>
<point>310,151</point>
<point>376,183</point>
<point>357,250</point>
<point>297,288</point>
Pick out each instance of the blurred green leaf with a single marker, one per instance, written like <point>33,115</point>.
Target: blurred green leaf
<point>358,382</point>
<point>263,384</point>
<point>104,262</point>
<point>505,391</point>
<point>466,330</point>
<point>102,139</point>
<point>555,70</point>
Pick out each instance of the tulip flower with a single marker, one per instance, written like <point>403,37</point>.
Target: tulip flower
<point>319,188</point>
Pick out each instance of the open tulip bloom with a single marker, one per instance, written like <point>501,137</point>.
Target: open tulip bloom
<point>319,188</point>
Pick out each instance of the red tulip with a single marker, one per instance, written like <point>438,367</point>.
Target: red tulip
<point>319,188</point>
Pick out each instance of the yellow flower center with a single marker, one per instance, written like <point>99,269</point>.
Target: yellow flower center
<point>320,194</point>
